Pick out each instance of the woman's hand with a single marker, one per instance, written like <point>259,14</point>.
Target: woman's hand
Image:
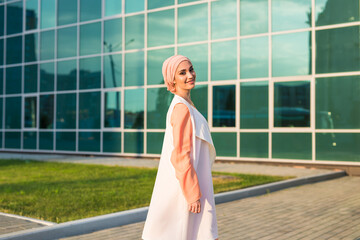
<point>195,207</point>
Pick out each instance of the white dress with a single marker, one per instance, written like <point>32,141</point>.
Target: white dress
<point>168,217</point>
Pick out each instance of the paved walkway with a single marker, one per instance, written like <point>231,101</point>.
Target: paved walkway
<point>10,224</point>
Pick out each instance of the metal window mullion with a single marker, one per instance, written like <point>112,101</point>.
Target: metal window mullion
<point>145,77</point>
<point>4,76</point>
<point>77,82</point>
<point>102,101</point>
<point>238,96</point>
<point>270,85</point>
<point>122,93</point>
<point>176,13</point>
<point>312,82</point>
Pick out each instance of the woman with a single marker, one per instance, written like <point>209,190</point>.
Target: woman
<point>182,205</point>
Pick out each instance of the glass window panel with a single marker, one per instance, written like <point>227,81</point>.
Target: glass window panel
<point>291,145</point>
<point>90,9</point>
<point>113,35</point>
<point>112,109</point>
<point>112,142</point>
<point>14,19</point>
<point>161,28</point>
<point>290,14</point>
<point>66,75</point>
<point>46,140</point>
<point>186,1</point>
<point>334,110</point>
<point>112,70</point>
<point>133,142</point>
<point>90,73</point>
<point>90,38</point>
<point>47,13</point>
<point>47,77</point>
<point>46,111</point>
<point>291,54</point>
<point>338,146</point>
<point>154,142</point>
<point>134,108</point>
<point>1,114</point>
<point>66,42</point>
<point>224,106</point>
<point>30,78</point>
<point>254,145</point>
<point>158,102</point>
<point>254,57</point>
<point>31,47</point>
<point>334,12</point>
<point>199,96</point>
<point>12,140</point>
<point>89,141</point>
<point>112,7</point>
<point>67,12</point>
<point>198,54</point>
<point>225,144</point>
<point>89,111</point>
<point>337,50</point>
<point>13,113</point>
<point>155,59</point>
<point>223,60</point>
<point>1,81</point>
<point>254,105</point>
<point>2,20</point>
<point>157,4</point>
<point>29,140</point>
<point>65,141</point>
<point>134,6</point>
<point>253,16</point>
<point>30,112</point>
<point>1,51</point>
<point>187,16</point>
<point>14,50</point>
<point>223,19</point>
<point>47,45</point>
<point>32,14</point>
<point>1,140</point>
<point>134,69</point>
<point>13,80</point>
<point>134,32</point>
<point>66,111</point>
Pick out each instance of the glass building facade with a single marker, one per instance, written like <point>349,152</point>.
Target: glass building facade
<point>277,80</point>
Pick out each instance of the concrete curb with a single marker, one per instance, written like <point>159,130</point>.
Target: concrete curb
<point>98,223</point>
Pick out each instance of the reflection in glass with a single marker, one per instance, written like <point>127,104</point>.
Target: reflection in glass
<point>89,141</point>
<point>112,109</point>
<point>157,4</point>
<point>32,14</point>
<point>155,59</point>
<point>67,12</point>
<point>47,77</point>
<point>253,16</point>
<point>29,140</point>
<point>334,110</point>
<point>290,14</point>
<point>47,14</point>
<point>337,50</point>
<point>90,73</point>
<point>292,104</point>
<point>133,142</point>
<point>65,141</point>
<point>223,14</point>
<point>158,102</point>
<point>46,111</point>
<point>14,50</point>
<point>66,111</point>
<point>66,75</point>
<point>90,38</point>
<point>112,7</point>
<point>198,54</point>
<point>30,112</point>
<point>46,140</point>
<point>112,142</point>
<point>47,45</point>
<point>12,140</point>
<point>134,32</point>
<point>66,42</point>
<point>13,113</point>
<point>292,145</point>
<point>2,21</point>
<point>13,80</point>
<point>254,105</point>
<point>291,54</point>
<point>31,47</point>
<point>199,96</point>
<point>112,35</point>
<point>187,16</point>
<point>89,110</point>
<point>161,28</point>
<point>134,6</point>
<point>14,17</point>
<point>254,145</point>
<point>134,108</point>
<point>30,78</point>
<point>154,142</point>
<point>112,70</point>
<point>254,57</point>
<point>224,106</point>
<point>334,12</point>
<point>90,9</point>
<point>186,1</point>
<point>134,69</point>
<point>224,60</point>
<point>225,148</point>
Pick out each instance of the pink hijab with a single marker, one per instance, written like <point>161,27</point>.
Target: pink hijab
<point>169,68</point>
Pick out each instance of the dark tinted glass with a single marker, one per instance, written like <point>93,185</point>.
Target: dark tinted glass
<point>291,145</point>
<point>46,140</point>
<point>333,12</point>
<point>14,50</point>
<point>66,42</point>
<point>90,73</point>
<point>46,111</point>
<point>2,20</point>
<point>29,140</point>
<point>224,106</point>
<point>65,141</point>
<point>112,71</point>
<point>134,142</point>
<point>199,96</point>
<point>66,111</point>
<point>66,75</point>
<point>30,112</point>
<point>13,80</point>
<point>1,51</point>
<point>31,78</point>
<point>12,140</point>
<point>154,142</point>
<point>13,112</point>
<point>254,145</point>
<point>89,110</point>
<point>134,108</point>
<point>67,12</point>
<point>14,17</point>
<point>89,141</point>
<point>112,142</point>
<point>32,14</point>
<point>47,45</point>
<point>225,148</point>
<point>47,77</point>
<point>112,109</point>
<point>1,81</point>
<point>158,102</point>
<point>90,9</point>
<point>31,47</point>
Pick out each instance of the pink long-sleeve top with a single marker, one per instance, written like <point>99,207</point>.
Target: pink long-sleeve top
<point>180,157</point>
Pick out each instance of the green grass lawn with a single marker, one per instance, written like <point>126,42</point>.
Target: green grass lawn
<point>61,192</point>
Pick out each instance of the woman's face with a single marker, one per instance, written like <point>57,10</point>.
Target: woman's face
<point>184,77</point>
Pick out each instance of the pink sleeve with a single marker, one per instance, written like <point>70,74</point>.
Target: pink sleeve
<point>180,157</point>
